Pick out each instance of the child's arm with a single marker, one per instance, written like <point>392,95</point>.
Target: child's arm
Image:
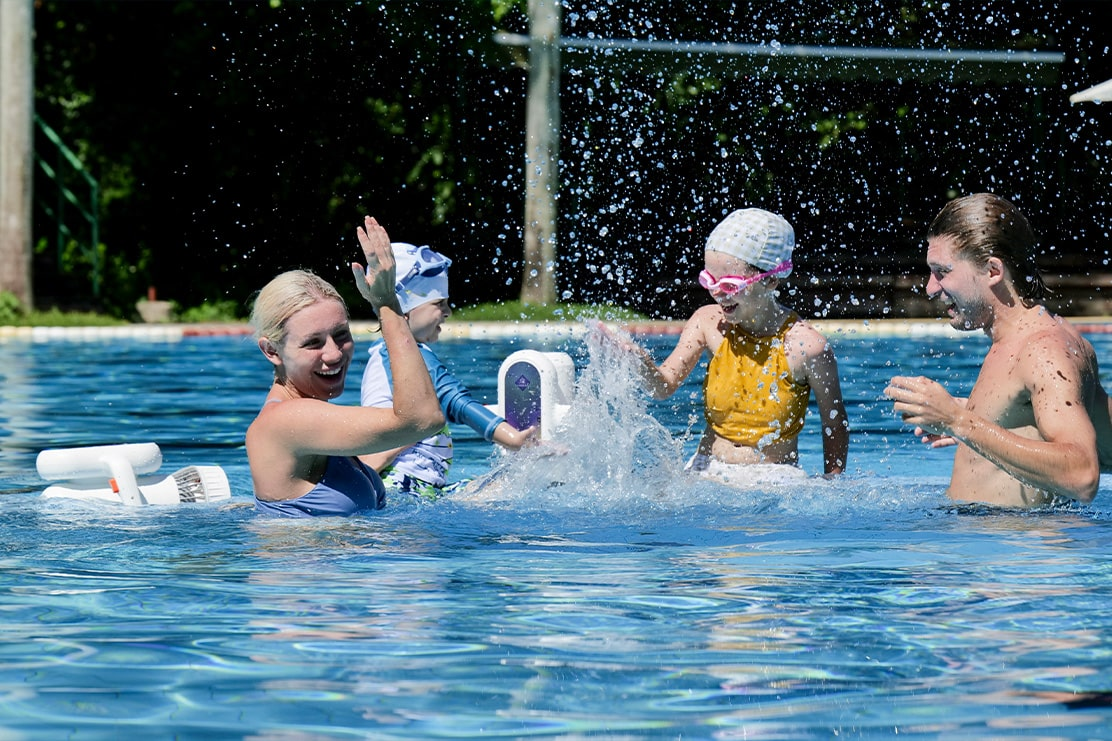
<point>821,370</point>
<point>675,369</point>
<point>832,413</point>
<point>461,408</point>
<point>663,380</point>
<point>510,437</point>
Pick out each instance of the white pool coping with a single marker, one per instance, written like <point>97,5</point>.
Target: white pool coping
<point>556,330</point>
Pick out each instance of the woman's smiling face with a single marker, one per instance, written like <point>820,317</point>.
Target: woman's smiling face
<point>318,349</point>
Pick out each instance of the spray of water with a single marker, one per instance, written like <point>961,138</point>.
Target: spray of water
<point>608,450</point>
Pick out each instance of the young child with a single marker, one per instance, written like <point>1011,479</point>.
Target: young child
<point>422,469</point>
<point>765,360</point>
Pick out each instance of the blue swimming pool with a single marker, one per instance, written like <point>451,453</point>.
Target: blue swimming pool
<point>597,594</point>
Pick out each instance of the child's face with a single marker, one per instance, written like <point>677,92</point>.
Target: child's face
<point>425,320</point>
<point>728,296</point>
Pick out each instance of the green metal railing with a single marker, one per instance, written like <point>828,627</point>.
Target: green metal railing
<point>66,169</point>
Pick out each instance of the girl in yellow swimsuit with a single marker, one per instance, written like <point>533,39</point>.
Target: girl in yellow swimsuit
<point>765,360</point>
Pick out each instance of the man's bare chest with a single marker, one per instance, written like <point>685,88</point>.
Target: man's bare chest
<point>999,394</point>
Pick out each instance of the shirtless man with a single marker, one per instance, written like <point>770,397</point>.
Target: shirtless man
<point>1030,430</point>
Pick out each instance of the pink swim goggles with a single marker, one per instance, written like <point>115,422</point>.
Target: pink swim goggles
<point>731,284</point>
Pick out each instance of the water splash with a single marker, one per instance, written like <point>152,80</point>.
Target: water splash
<point>608,450</point>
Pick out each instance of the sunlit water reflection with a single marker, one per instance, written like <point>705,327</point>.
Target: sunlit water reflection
<point>598,593</point>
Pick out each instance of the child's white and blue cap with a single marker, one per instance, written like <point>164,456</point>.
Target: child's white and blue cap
<point>761,238</point>
<point>422,275</point>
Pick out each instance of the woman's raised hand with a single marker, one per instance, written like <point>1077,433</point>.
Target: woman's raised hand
<point>376,283</point>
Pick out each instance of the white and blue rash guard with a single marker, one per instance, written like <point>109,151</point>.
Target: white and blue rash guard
<point>430,459</point>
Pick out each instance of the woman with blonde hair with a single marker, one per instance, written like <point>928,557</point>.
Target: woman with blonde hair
<point>302,449</point>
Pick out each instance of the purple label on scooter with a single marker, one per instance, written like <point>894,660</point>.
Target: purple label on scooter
<point>523,395</point>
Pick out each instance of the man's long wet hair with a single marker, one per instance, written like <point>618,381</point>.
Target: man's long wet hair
<point>984,225</point>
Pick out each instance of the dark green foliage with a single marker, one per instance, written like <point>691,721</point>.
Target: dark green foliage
<point>236,140</point>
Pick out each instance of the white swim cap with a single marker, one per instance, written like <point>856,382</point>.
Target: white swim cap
<point>761,238</point>
<point>422,275</point>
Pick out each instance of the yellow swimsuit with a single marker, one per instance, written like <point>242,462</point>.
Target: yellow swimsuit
<point>750,397</point>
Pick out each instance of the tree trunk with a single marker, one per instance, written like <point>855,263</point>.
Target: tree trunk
<point>542,136</point>
<point>16,147</point>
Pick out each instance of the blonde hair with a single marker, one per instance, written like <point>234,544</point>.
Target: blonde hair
<point>284,296</point>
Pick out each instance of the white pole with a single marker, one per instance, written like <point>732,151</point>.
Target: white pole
<point>542,136</point>
<point>17,107</point>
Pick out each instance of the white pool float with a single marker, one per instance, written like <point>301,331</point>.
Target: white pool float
<point>112,473</point>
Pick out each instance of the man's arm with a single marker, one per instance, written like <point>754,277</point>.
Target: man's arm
<point>1064,462</point>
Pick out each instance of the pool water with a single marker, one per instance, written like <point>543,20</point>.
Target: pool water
<point>597,593</point>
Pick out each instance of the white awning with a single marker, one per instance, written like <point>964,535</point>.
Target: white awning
<point>1098,93</point>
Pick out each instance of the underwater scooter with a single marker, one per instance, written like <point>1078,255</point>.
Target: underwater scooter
<point>535,388</point>
<point>110,473</point>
